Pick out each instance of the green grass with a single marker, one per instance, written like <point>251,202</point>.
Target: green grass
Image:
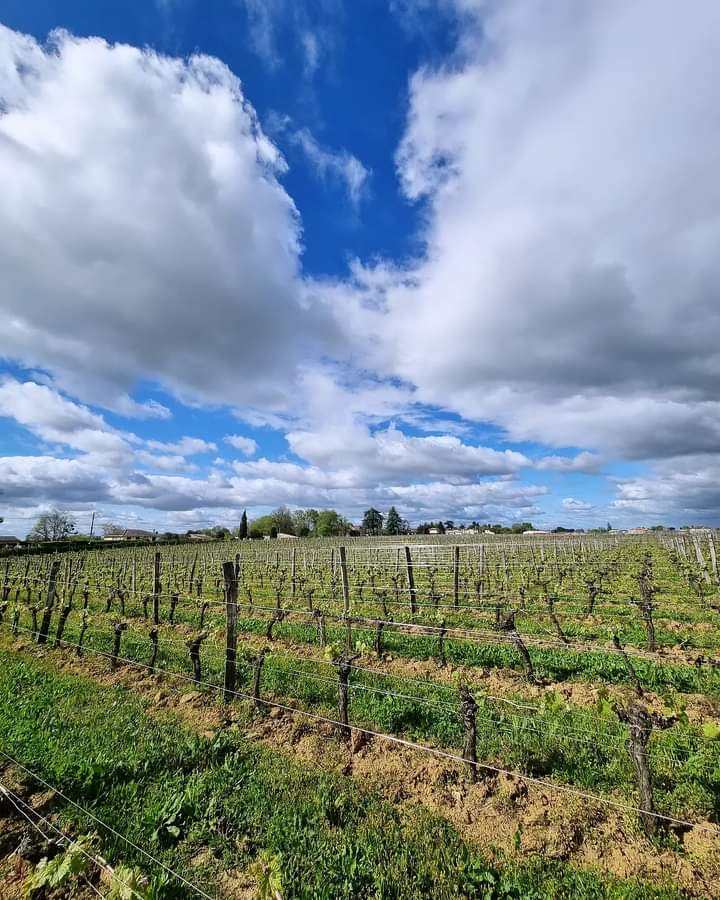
<point>176,793</point>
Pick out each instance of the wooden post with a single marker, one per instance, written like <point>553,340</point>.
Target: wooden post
<point>230,630</point>
<point>157,588</point>
<point>410,581</point>
<point>700,558</point>
<point>154,642</point>
<point>257,675</point>
<point>468,707</point>
<point>456,575</point>
<point>49,603</point>
<point>346,598</point>
<point>713,555</point>
<point>442,661</point>
<point>345,585</point>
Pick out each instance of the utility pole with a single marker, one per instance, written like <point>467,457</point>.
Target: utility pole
<point>92,524</point>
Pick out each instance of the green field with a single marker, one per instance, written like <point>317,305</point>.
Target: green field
<point>339,765</point>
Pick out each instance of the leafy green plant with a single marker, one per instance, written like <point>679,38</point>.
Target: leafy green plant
<point>129,884</point>
<point>267,871</point>
<point>58,871</point>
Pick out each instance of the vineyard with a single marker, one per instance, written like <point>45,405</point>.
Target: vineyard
<point>364,718</point>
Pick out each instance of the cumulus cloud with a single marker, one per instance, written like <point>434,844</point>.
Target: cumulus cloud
<point>247,446</point>
<point>582,462</point>
<point>57,420</point>
<point>568,289</point>
<point>391,453</point>
<point>186,446</point>
<point>169,251</point>
<point>684,490</point>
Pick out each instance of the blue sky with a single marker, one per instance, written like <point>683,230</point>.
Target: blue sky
<point>454,256</point>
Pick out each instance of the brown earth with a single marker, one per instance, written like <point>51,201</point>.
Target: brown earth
<point>501,814</point>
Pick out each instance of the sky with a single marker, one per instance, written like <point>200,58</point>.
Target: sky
<point>456,256</point>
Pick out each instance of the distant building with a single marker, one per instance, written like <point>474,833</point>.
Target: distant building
<point>637,531</point>
<point>535,531</point>
<point>282,534</point>
<point>433,531</point>
<point>199,536</point>
<point>131,534</point>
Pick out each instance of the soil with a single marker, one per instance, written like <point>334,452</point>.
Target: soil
<point>501,814</point>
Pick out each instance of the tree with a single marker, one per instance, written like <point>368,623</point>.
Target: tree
<point>282,520</point>
<point>304,522</point>
<point>372,522</point>
<point>520,527</point>
<point>53,526</point>
<point>393,523</point>
<point>331,524</point>
<point>261,526</point>
<point>243,529</point>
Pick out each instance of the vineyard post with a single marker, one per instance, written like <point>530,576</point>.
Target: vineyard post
<point>700,558</point>
<point>157,587</point>
<point>468,705</point>
<point>345,585</point>
<point>346,596</point>
<point>257,675</point>
<point>49,603</point>
<point>456,574</point>
<point>154,641</point>
<point>83,629</point>
<point>713,555</point>
<point>230,629</point>
<point>442,661</point>
<point>293,574</point>
<point>410,580</point>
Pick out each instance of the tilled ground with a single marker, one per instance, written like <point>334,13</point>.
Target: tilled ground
<point>507,816</point>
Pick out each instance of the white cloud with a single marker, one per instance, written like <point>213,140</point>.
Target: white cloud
<point>577,506</point>
<point>582,462</point>
<point>186,446</point>
<point>684,490</point>
<point>568,288</point>
<point>143,232</point>
<point>311,51</point>
<point>334,165</point>
<point>57,420</point>
<point>390,453</point>
<point>247,446</point>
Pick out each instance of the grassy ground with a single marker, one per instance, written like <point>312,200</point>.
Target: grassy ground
<point>213,806</point>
